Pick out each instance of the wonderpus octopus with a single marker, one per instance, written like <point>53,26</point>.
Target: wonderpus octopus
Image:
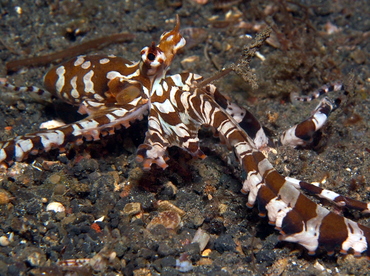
<point>115,92</point>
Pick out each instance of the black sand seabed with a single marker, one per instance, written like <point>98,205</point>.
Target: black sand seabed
<point>100,178</point>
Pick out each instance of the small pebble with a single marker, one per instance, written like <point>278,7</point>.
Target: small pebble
<point>206,252</point>
<point>5,197</point>
<point>184,266</point>
<point>202,238</point>
<point>165,205</point>
<point>169,219</point>
<point>224,243</point>
<point>98,263</point>
<point>169,189</point>
<point>4,241</point>
<point>222,208</point>
<point>55,178</point>
<point>319,266</point>
<point>141,272</point>
<point>36,258</point>
<point>205,261</point>
<point>132,209</point>
<point>55,207</point>
<point>60,189</point>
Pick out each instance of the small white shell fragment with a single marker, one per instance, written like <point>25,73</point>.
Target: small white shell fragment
<point>184,266</point>
<point>202,238</point>
<point>112,256</point>
<point>55,207</point>
<point>11,237</point>
<point>4,241</point>
<point>99,219</point>
<point>319,266</point>
<point>18,10</point>
<point>260,56</point>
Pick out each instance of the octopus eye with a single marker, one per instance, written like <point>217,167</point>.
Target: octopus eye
<point>151,56</point>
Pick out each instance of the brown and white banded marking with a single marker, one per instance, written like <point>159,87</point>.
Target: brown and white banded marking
<point>170,121</point>
<point>298,218</point>
<point>338,199</point>
<point>302,133</point>
<point>282,200</point>
<point>301,220</point>
<point>243,117</point>
<point>85,78</point>
<point>327,88</point>
<point>4,82</point>
<point>90,128</point>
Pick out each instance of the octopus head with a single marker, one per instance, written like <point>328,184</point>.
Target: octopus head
<point>157,59</point>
